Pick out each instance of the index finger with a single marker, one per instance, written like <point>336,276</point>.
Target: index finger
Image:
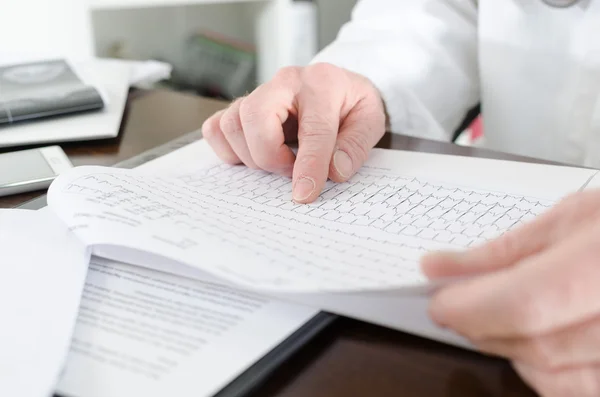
<point>319,109</point>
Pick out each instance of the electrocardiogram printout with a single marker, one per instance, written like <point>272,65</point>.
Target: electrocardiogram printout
<point>141,225</point>
<point>242,224</point>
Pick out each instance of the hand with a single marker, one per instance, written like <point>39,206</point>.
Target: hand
<point>534,297</point>
<point>336,116</point>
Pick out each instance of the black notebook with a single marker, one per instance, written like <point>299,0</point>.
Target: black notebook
<point>44,89</point>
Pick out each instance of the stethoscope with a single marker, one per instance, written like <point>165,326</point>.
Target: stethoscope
<point>560,3</point>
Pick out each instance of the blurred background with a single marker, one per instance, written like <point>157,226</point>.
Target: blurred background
<point>218,48</point>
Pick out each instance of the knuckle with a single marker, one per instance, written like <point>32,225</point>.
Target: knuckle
<point>310,161</point>
<point>288,74</point>
<point>230,122</point>
<point>323,71</point>
<point>317,127</point>
<point>250,111</point>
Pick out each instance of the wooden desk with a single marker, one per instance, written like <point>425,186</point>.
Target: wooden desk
<point>351,358</point>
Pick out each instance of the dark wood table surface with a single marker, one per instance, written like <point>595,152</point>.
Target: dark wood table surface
<point>351,358</point>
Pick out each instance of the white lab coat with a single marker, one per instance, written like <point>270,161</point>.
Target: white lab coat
<point>535,70</point>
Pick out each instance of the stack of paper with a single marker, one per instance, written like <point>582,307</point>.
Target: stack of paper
<point>354,251</point>
<point>192,254</point>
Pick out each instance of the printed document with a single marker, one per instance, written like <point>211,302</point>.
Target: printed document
<point>151,333</point>
<point>142,332</point>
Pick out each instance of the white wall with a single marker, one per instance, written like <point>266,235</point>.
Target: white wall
<point>332,15</point>
<point>45,28</point>
<point>159,32</point>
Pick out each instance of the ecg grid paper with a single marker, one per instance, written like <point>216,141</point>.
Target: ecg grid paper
<point>367,232</point>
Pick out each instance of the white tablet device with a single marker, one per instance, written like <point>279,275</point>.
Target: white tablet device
<point>29,170</point>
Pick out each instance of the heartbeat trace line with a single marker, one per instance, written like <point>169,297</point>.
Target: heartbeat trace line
<point>372,228</point>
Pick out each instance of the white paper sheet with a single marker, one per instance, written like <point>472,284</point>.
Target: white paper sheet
<point>398,309</point>
<point>42,272</point>
<point>366,234</point>
<point>141,332</point>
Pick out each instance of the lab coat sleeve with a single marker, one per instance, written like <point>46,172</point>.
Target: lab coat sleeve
<point>420,54</point>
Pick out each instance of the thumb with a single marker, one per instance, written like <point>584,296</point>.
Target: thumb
<point>502,252</point>
<point>359,133</point>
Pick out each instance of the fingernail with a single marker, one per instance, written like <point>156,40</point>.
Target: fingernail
<point>342,163</point>
<point>304,187</point>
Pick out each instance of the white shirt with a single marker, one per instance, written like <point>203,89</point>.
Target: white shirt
<point>534,68</point>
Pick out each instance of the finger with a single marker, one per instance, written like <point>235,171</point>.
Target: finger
<point>263,114</point>
<point>577,345</point>
<point>498,253</point>
<point>319,110</point>
<point>211,131</point>
<point>231,126</point>
<point>550,290</point>
<point>572,382</point>
<point>360,131</point>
